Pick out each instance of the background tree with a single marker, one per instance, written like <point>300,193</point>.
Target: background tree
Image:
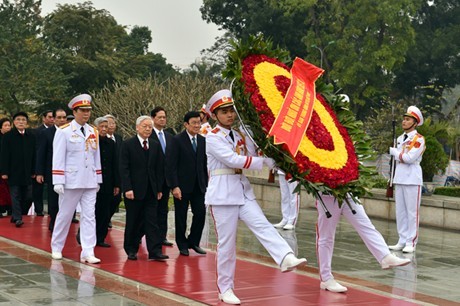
<point>29,78</point>
<point>432,64</point>
<point>177,94</point>
<point>95,50</point>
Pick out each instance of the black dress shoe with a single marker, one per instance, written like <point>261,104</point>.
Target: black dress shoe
<point>19,223</point>
<point>132,256</point>
<point>75,220</point>
<point>167,243</point>
<point>184,252</point>
<point>40,214</point>
<point>103,244</point>
<point>158,257</point>
<point>198,249</point>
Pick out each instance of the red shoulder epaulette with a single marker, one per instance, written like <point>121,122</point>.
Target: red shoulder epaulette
<point>215,130</point>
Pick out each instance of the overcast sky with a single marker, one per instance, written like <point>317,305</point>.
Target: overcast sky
<point>178,32</point>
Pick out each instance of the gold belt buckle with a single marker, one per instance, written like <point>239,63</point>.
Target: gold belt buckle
<point>238,171</point>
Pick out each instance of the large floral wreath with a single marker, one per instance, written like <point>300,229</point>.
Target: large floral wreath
<point>331,152</point>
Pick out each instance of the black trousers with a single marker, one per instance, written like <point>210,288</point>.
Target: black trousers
<point>103,209</point>
<point>37,196</point>
<point>115,204</point>
<point>196,200</point>
<point>162,212</point>
<point>53,205</point>
<point>141,218</point>
<point>20,200</point>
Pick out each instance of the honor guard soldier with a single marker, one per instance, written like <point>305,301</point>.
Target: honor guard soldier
<point>230,196</point>
<point>205,125</point>
<point>76,178</point>
<point>325,235</point>
<point>408,180</point>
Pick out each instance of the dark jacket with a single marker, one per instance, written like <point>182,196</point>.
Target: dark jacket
<point>185,167</point>
<point>137,169</point>
<point>109,164</point>
<point>17,157</point>
<point>44,161</point>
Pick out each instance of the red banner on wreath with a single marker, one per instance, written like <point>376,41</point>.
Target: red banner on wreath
<point>295,113</point>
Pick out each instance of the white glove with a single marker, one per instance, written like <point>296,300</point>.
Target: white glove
<point>59,189</point>
<point>98,188</point>
<point>394,152</point>
<point>270,162</point>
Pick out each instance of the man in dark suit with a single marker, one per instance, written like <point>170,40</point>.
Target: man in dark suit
<point>110,182</point>
<point>37,188</point>
<point>187,174</point>
<point>112,127</point>
<point>158,115</point>
<point>17,165</point>
<point>44,163</point>
<point>142,176</point>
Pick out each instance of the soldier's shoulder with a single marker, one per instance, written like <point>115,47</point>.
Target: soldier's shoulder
<point>215,130</point>
<point>64,126</point>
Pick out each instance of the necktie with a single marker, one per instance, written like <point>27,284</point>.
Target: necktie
<point>194,144</point>
<point>405,137</point>
<point>231,136</point>
<point>162,141</point>
<point>82,129</point>
<point>145,145</point>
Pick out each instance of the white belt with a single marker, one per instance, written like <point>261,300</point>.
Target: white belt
<point>226,171</point>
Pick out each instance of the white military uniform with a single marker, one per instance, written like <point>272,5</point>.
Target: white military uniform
<point>290,200</point>
<point>326,227</point>
<point>230,196</point>
<point>408,180</point>
<point>205,129</point>
<point>77,166</point>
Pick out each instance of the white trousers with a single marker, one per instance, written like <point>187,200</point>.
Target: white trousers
<point>407,199</point>
<point>67,204</point>
<point>226,224</point>
<point>289,200</point>
<point>325,233</point>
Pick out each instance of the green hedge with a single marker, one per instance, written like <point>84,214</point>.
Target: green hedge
<point>448,191</point>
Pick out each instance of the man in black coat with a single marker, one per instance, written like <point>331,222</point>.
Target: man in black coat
<point>141,172</point>
<point>37,188</point>
<point>110,182</point>
<point>17,165</point>
<point>118,139</point>
<point>45,160</point>
<point>187,174</point>
<point>159,134</point>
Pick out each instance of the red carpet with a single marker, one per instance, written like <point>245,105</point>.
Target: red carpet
<point>194,276</point>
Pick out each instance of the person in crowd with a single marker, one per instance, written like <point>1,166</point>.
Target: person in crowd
<point>290,201</point>
<point>69,118</point>
<point>230,196</point>
<point>205,125</point>
<point>159,134</point>
<point>408,180</point>
<point>5,197</point>
<point>118,139</point>
<point>44,163</point>
<point>187,175</point>
<point>17,165</point>
<point>142,177</point>
<point>110,186</point>
<point>37,188</point>
<point>325,235</point>
<point>77,175</point>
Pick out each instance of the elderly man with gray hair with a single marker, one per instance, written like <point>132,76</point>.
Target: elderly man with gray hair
<point>142,176</point>
<point>118,139</point>
<point>110,186</point>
